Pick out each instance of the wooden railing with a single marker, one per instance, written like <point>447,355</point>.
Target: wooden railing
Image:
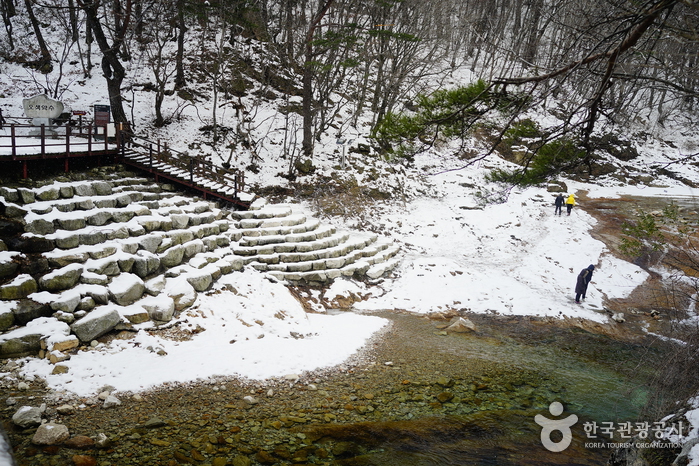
<point>196,167</point>
<point>26,140</point>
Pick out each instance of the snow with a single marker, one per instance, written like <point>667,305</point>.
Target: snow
<point>258,331</point>
<point>513,258</point>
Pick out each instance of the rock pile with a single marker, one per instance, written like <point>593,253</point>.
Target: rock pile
<point>80,259</point>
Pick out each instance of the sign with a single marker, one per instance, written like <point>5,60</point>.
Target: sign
<point>79,112</point>
<point>102,113</point>
<point>41,106</point>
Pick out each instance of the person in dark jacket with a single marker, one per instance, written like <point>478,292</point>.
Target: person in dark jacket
<point>559,204</point>
<point>584,278</point>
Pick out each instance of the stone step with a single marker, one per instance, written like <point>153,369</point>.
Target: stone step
<point>331,258</point>
<point>319,233</point>
<point>308,246</point>
<point>288,220</point>
<point>309,225</point>
<point>278,210</point>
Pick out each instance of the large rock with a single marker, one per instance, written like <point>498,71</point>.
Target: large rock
<point>40,226</point>
<point>182,293</point>
<point>150,243</point>
<point>28,310</point>
<point>61,279</point>
<point>7,316</point>
<point>126,289</point>
<point>67,301</point>
<point>160,309</point>
<point>21,287</point>
<point>200,280</point>
<point>51,434</point>
<point>27,416</point>
<point>172,256</point>
<point>48,193</point>
<point>96,323</point>
<point>30,244</point>
<point>27,340</point>
<point>145,264</point>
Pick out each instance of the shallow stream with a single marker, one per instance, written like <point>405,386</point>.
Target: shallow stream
<point>419,396</point>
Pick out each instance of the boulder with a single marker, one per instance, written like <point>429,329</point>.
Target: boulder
<point>48,193</point>
<point>27,340</point>
<point>84,189</point>
<point>99,218</point>
<point>150,243</point>
<point>145,264</point>
<point>40,226</point>
<point>172,256</point>
<point>61,342</point>
<point>7,317</point>
<point>100,294</point>
<point>51,434</point>
<point>27,416</point>
<point>28,310</point>
<point>19,288</point>
<point>135,314</point>
<point>200,280</point>
<point>102,188</point>
<point>66,191</point>
<point>61,279</point>
<point>461,325</point>
<point>64,259</point>
<point>71,224</point>
<point>31,244</point>
<point>8,266</point>
<point>179,221</point>
<point>67,301</point>
<point>181,292</point>
<point>108,266</point>
<point>96,323</point>
<point>126,289</point>
<point>26,196</point>
<point>160,309</point>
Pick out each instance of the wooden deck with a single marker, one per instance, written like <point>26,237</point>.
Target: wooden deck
<point>23,146</point>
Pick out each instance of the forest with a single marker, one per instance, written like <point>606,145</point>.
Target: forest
<point>594,65</point>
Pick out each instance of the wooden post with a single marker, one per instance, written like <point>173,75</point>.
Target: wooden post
<point>25,173</point>
<point>150,157</point>
<point>43,141</point>
<point>89,139</point>
<point>14,141</point>
<point>66,168</point>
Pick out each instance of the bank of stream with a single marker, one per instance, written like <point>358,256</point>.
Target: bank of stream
<point>418,395</point>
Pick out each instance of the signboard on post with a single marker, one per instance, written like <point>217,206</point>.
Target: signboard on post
<point>102,113</point>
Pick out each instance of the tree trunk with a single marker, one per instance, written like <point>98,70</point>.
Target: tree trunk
<point>180,81</point>
<point>43,64</point>
<point>112,68</point>
<point>307,107</point>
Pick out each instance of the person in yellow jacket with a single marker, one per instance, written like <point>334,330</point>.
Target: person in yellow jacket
<point>570,202</point>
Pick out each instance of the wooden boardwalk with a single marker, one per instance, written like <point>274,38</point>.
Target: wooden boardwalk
<point>23,145</point>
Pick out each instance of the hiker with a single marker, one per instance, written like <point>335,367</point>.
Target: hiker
<point>570,202</point>
<point>584,278</point>
<point>2,120</point>
<point>559,204</point>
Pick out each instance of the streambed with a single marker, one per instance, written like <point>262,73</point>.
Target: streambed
<point>418,396</point>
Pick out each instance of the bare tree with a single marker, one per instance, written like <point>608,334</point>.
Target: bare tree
<point>112,68</point>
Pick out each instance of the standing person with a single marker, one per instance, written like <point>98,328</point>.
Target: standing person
<point>570,202</point>
<point>559,204</point>
<point>584,278</point>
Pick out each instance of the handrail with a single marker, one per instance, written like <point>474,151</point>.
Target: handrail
<point>48,137</point>
<point>195,166</point>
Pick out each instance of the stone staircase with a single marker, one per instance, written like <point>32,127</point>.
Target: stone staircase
<point>292,247</point>
<point>123,251</point>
